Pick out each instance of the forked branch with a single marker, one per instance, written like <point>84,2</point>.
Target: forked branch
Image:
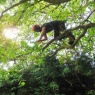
<point>84,27</point>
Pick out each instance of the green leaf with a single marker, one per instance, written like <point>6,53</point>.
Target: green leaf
<point>54,85</point>
<point>2,1</point>
<point>22,83</point>
<point>35,1</point>
<point>66,70</point>
<point>91,92</point>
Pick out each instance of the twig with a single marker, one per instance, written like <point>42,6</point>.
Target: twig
<point>23,1</point>
<point>88,16</point>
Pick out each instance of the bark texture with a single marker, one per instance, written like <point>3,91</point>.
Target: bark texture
<point>57,1</point>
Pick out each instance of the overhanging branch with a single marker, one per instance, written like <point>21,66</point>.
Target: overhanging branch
<point>84,27</point>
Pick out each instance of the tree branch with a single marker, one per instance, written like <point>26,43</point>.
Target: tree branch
<point>88,16</point>
<point>79,37</point>
<point>17,4</point>
<point>65,33</point>
<point>75,42</point>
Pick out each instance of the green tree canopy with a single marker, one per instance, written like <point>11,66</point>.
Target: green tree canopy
<point>35,68</point>
<point>25,13</point>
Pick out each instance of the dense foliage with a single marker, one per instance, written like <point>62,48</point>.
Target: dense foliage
<point>50,67</point>
<point>75,77</point>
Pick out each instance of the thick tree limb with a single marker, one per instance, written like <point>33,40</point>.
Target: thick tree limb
<point>72,46</point>
<point>79,37</point>
<point>48,44</point>
<point>65,33</point>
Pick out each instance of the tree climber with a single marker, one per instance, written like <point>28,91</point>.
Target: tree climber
<point>57,26</point>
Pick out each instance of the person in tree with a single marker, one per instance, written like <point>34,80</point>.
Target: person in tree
<point>56,26</point>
